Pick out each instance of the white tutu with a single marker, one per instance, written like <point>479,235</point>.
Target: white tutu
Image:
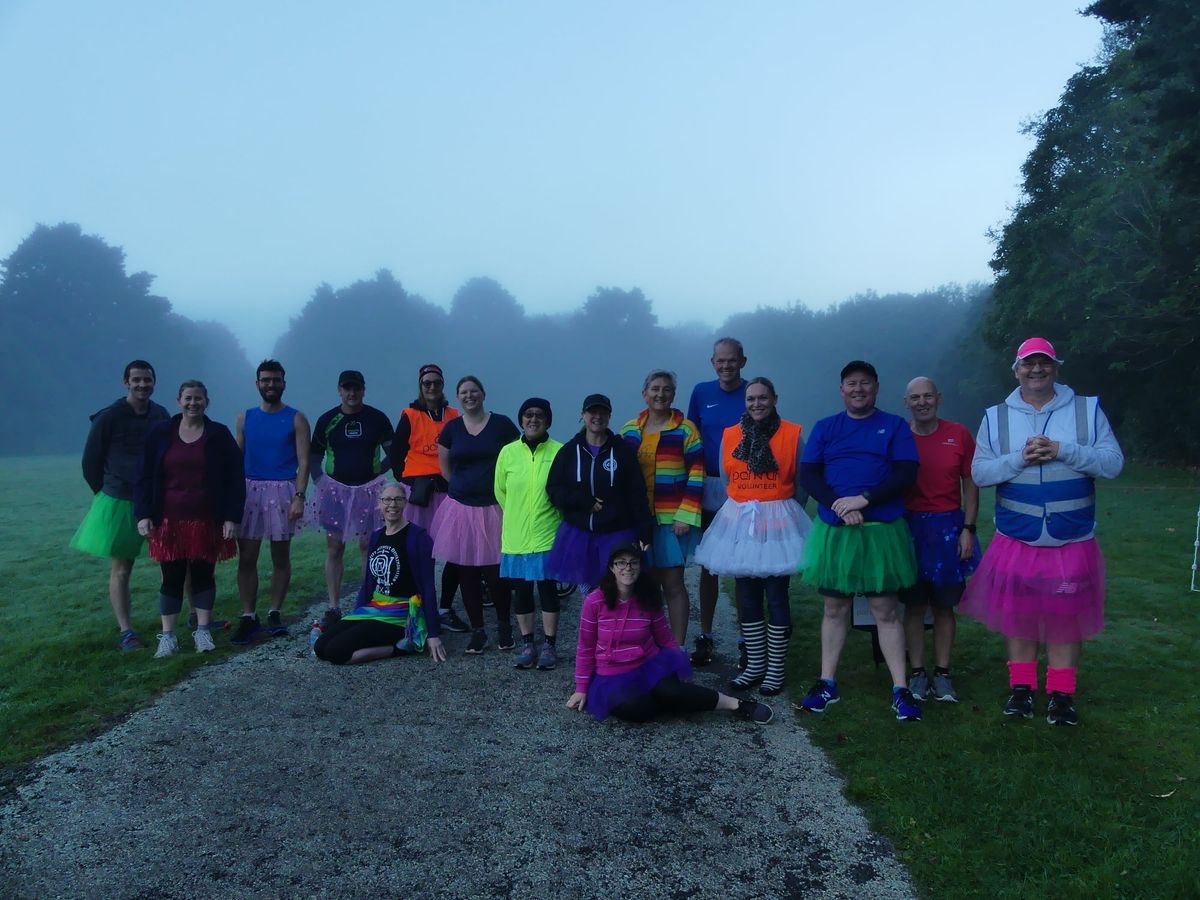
<point>755,539</point>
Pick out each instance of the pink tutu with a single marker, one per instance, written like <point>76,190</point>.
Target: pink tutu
<point>190,539</point>
<point>467,535</point>
<point>1050,594</point>
<point>423,515</point>
<point>267,506</point>
<point>347,512</point>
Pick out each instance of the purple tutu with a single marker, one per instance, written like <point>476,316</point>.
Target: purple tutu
<point>581,557</point>
<point>467,535</point>
<point>606,692</point>
<point>266,514</point>
<point>1050,594</point>
<point>935,540</point>
<point>423,515</point>
<point>347,512</point>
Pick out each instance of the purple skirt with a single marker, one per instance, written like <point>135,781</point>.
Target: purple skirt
<point>581,557</point>
<point>606,692</point>
<point>266,513</point>
<point>423,515</point>
<point>935,540</point>
<point>348,512</point>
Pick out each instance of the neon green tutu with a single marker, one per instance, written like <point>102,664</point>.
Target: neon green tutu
<point>874,558</point>
<point>108,530</point>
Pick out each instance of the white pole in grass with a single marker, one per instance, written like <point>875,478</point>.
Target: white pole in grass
<point>1196,551</point>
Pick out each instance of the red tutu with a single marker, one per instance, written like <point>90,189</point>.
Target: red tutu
<point>1050,594</point>
<point>190,539</point>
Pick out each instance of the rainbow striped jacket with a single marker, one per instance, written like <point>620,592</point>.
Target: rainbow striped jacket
<point>678,467</point>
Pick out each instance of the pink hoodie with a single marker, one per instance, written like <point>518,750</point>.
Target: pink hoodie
<point>615,641</point>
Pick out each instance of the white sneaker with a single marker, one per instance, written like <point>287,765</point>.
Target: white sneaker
<point>167,645</point>
<point>203,639</point>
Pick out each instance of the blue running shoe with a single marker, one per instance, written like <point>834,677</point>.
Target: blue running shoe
<point>905,705</point>
<point>821,695</point>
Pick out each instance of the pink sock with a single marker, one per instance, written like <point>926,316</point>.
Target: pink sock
<point>1023,673</point>
<point>1061,680</point>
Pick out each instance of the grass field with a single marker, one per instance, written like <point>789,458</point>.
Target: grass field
<point>976,805</point>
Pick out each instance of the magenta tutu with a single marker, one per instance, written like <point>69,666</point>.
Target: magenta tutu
<point>1050,594</point>
<point>581,557</point>
<point>190,539</point>
<point>267,507</point>
<point>606,692</point>
<point>345,511</point>
<point>467,535</point>
<point>423,515</point>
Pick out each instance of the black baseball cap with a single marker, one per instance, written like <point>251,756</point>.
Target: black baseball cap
<point>593,400</point>
<point>351,377</point>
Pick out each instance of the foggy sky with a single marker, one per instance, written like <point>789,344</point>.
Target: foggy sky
<point>718,156</point>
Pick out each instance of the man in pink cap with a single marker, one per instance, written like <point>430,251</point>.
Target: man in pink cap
<point>1042,578</point>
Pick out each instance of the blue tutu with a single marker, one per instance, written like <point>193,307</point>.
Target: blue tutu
<point>524,566</point>
<point>935,540</point>
<point>581,557</point>
<point>606,692</point>
<point>668,550</point>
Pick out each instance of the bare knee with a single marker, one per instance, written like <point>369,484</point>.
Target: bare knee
<point>884,609</point>
<point>837,609</point>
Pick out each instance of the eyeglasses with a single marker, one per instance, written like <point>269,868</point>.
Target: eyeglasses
<point>626,564</point>
<point>392,501</point>
<point>532,416</point>
<point>1039,364</point>
<point>432,384</point>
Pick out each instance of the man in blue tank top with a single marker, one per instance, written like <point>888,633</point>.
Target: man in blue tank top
<point>275,445</point>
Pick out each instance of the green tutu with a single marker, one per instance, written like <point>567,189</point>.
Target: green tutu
<point>873,558</point>
<point>108,530</point>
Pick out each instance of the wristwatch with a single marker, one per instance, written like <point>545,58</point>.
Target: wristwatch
<point>300,494</point>
<point>970,528</point>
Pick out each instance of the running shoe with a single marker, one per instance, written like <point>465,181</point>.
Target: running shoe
<point>249,627</point>
<point>1020,702</point>
<point>1061,709</point>
<point>504,636</point>
<point>905,705</point>
<point>449,621</point>
<point>943,688</point>
<point>703,654</point>
<point>548,658</point>
<point>167,645</point>
<point>129,641</point>
<point>202,638</point>
<point>755,711</point>
<point>477,643</point>
<point>332,616</point>
<point>918,684</point>
<point>275,626</point>
<point>820,696</point>
<point>525,658</point>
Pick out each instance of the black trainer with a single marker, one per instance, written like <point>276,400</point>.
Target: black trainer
<point>703,654</point>
<point>504,636</point>
<point>755,711</point>
<point>449,621</point>
<point>1020,702</point>
<point>248,629</point>
<point>275,626</point>
<point>478,642</point>
<point>1061,709</point>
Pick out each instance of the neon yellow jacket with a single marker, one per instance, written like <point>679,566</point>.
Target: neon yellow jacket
<point>530,519</point>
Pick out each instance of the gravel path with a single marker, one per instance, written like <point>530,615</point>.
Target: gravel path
<point>275,775</point>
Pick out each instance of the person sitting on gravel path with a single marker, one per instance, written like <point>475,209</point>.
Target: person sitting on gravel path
<point>389,616</point>
<point>628,663</point>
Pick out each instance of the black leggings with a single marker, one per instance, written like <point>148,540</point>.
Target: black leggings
<point>668,696</point>
<point>174,576</point>
<point>523,596</point>
<point>449,586</point>
<point>471,579</point>
<point>342,639</point>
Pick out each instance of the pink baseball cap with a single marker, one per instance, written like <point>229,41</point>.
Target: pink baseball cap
<point>1035,345</point>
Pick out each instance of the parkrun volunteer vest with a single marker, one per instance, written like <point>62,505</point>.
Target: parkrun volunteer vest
<point>423,441</point>
<point>744,485</point>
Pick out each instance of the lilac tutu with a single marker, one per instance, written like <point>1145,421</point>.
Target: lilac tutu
<point>267,506</point>
<point>1049,594</point>
<point>581,557</point>
<point>524,566</point>
<point>423,515</point>
<point>347,512</point>
<point>606,692</point>
<point>467,535</point>
<point>935,540</point>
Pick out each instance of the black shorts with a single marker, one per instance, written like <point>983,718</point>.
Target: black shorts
<point>842,595</point>
<point>926,593</point>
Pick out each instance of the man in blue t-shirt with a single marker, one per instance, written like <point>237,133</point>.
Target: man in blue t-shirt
<point>715,406</point>
<point>859,464</point>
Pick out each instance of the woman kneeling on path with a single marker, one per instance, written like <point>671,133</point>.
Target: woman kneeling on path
<point>389,617</point>
<point>628,663</point>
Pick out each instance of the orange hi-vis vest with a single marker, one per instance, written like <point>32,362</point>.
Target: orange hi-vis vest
<point>744,485</point>
<point>422,456</point>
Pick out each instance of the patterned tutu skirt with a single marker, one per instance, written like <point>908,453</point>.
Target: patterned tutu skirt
<point>606,692</point>
<point>423,515</point>
<point>267,507</point>
<point>872,558</point>
<point>347,512</point>
<point>581,557</point>
<point>1049,594</point>
<point>467,535</point>
<point>190,539</point>
<point>109,530</point>
<point>755,539</point>
<point>935,540</point>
